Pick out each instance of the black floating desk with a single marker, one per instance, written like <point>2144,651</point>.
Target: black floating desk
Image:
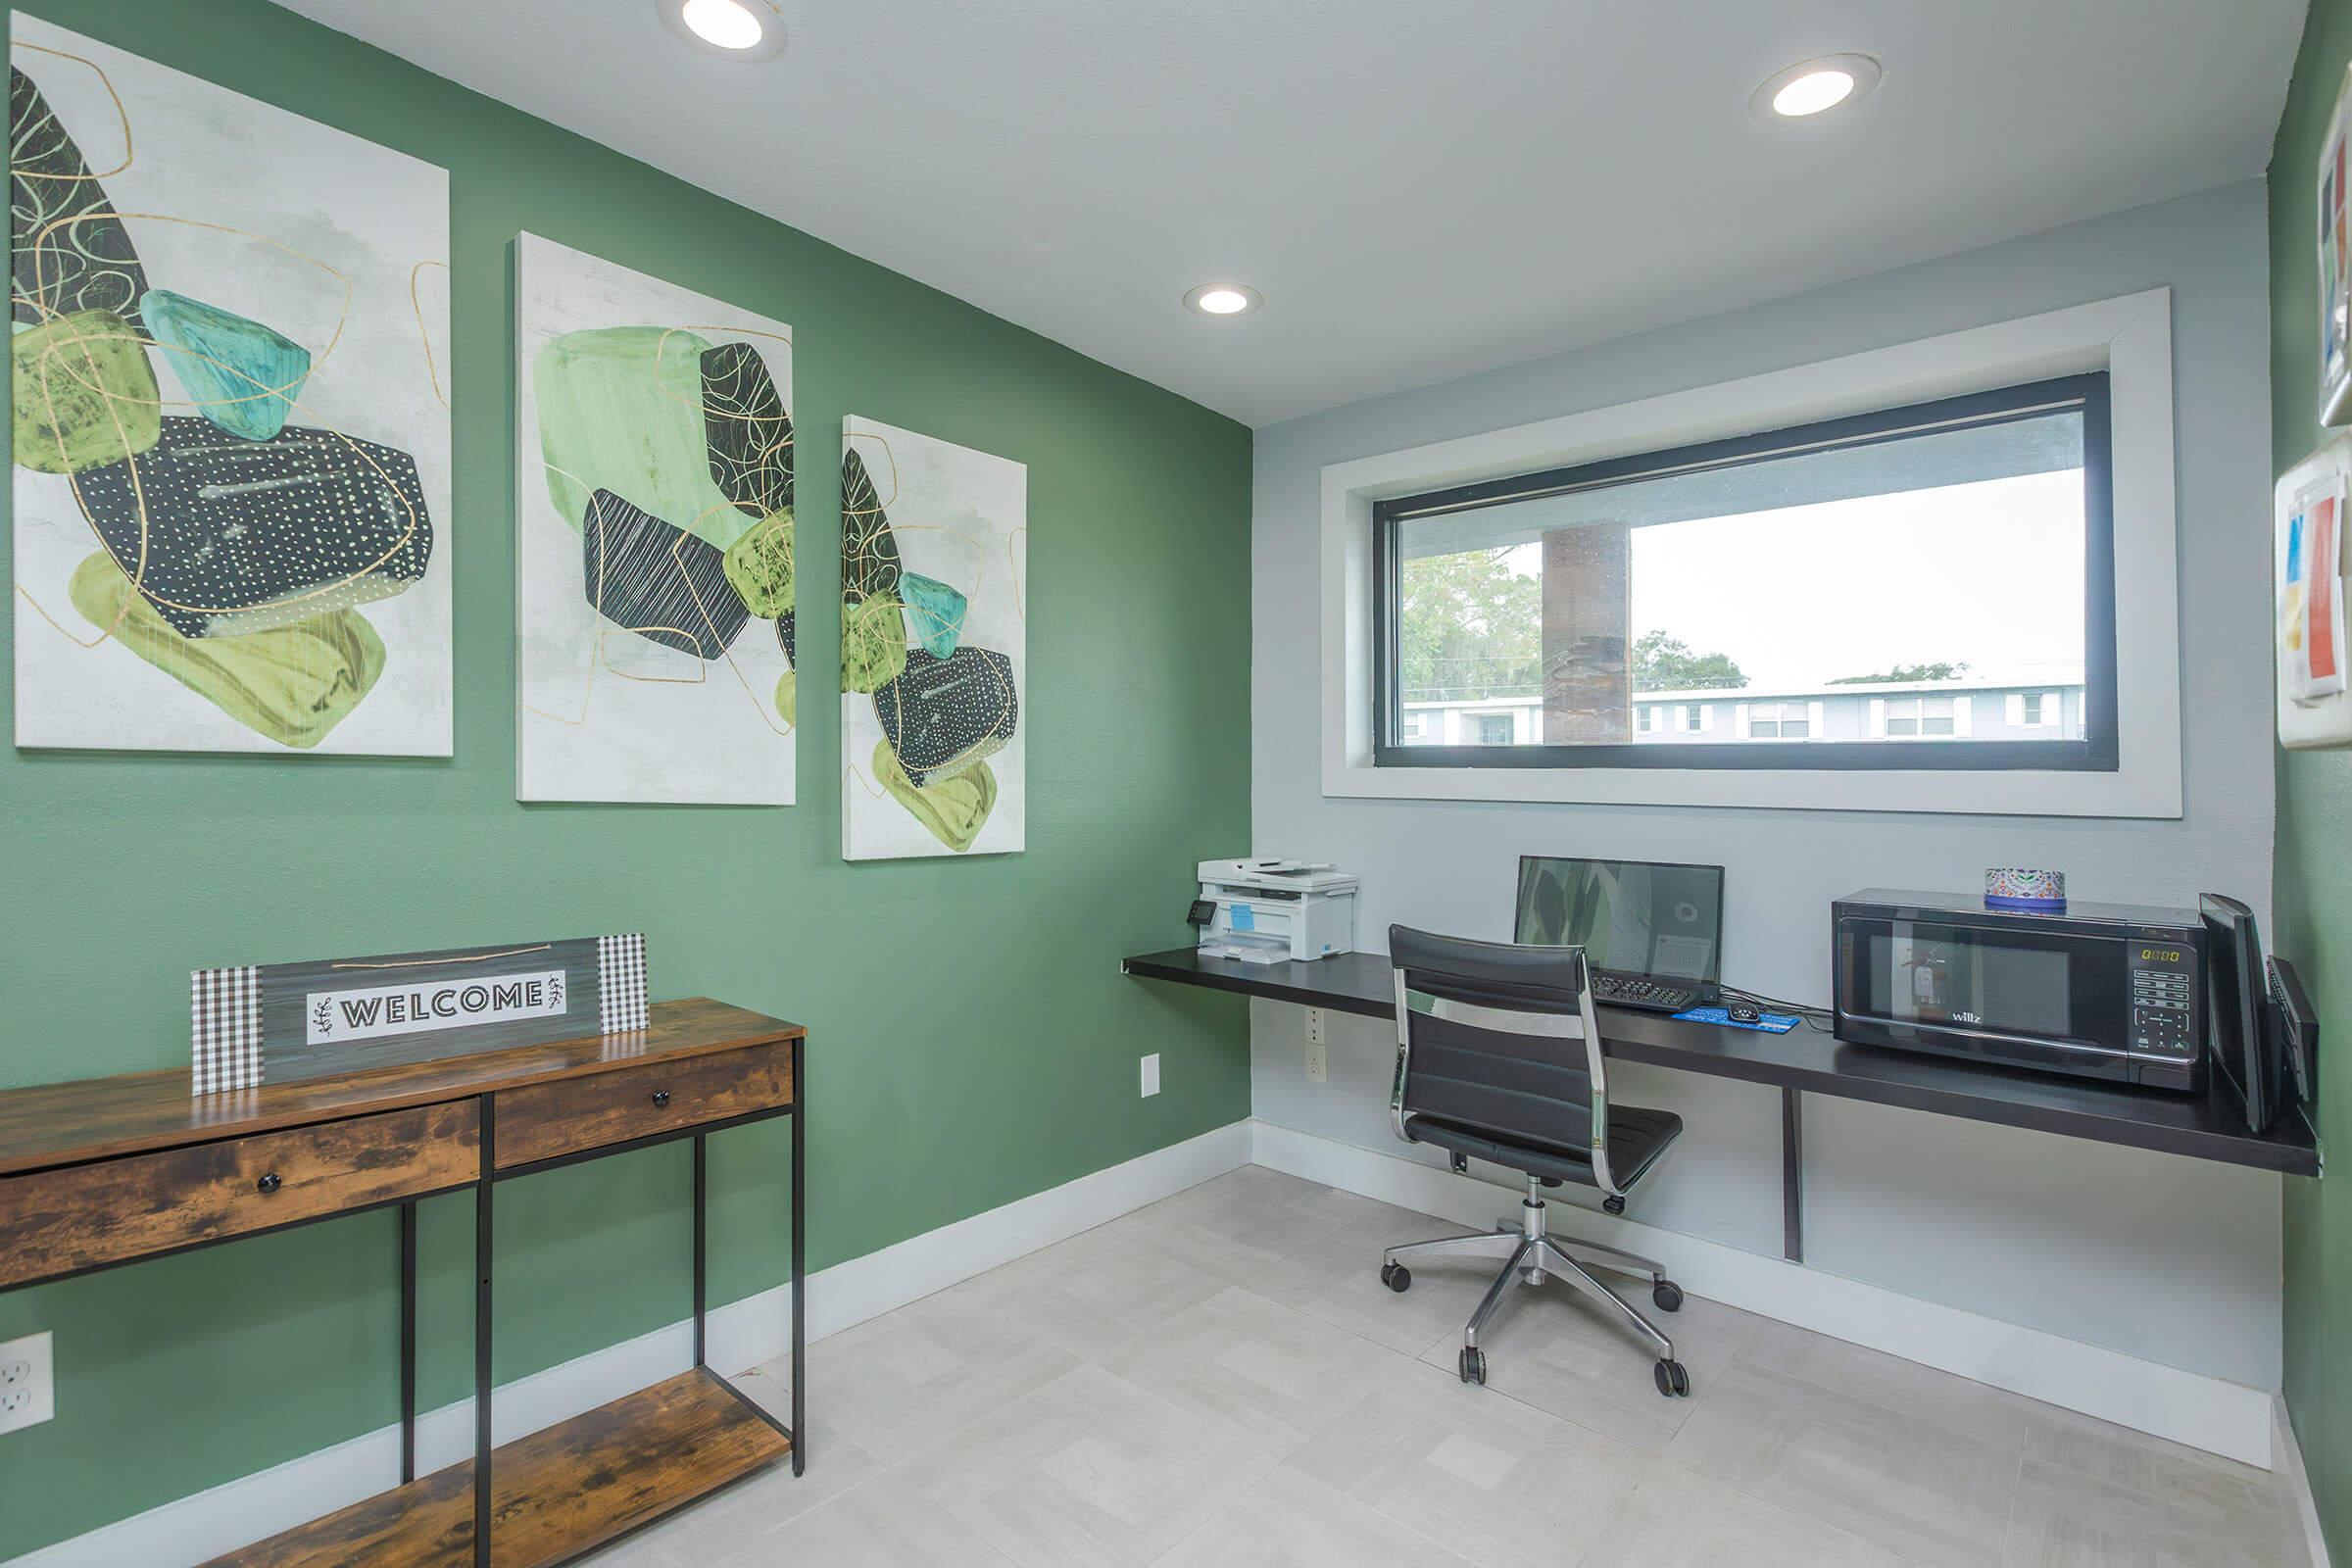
<point>1806,1060</point>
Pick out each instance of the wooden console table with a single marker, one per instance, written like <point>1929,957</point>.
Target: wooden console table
<point>110,1171</point>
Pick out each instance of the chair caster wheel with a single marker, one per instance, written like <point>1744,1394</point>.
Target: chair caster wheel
<point>1474,1365</point>
<point>1613,1205</point>
<point>1667,1295</point>
<point>1396,1276</point>
<point>1673,1381</point>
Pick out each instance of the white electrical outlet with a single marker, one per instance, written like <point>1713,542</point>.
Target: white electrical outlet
<point>1152,1075</point>
<point>1316,1063</point>
<point>27,1384</point>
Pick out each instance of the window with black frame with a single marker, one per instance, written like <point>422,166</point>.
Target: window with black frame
<point>1922,587</point>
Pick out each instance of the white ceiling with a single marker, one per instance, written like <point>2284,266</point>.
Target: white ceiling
<point>1421,188</point>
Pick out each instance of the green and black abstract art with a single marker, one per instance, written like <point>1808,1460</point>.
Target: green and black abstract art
<point>934,646</point>
<point>232,439</point>
<point>655,592</point>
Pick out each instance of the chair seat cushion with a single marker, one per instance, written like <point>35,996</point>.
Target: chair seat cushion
<point>1636,1137</point>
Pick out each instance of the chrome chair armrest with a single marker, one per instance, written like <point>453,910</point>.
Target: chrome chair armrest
<point>1405,1054</point>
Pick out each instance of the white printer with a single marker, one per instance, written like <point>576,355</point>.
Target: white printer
<point>1266,909</point>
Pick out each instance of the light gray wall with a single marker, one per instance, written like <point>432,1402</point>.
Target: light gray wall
<point>2174,1261</point>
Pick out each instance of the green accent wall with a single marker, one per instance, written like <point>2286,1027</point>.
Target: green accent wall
<point>2313,876</point>
<point>972,1041</point>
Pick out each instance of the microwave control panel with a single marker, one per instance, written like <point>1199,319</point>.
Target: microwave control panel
<point>2165,1000</point>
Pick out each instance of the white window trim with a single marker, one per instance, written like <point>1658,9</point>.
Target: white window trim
<point>2129,338</point>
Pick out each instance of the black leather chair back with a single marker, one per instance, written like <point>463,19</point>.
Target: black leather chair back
<point>1499,1039</point>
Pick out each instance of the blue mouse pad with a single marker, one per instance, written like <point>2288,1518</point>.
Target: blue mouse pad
<point>1772,1023</point>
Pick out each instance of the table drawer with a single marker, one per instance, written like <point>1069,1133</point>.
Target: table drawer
<point>540,1121</point>
<point>60,1221</point>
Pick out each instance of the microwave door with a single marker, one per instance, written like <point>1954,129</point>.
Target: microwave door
<point>2002,994</point>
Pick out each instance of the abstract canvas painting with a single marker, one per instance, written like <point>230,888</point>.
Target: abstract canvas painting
<point>934,646</point>
<point>230,419</point>
<point>653,583</point>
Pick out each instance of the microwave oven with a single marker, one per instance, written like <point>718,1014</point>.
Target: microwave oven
<point>2096,990</point>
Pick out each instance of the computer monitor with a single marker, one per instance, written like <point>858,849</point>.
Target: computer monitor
<point>1630,916</point>
<point>2235,992</point>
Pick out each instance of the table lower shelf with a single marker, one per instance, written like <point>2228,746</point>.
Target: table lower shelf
<point>555,1493</point>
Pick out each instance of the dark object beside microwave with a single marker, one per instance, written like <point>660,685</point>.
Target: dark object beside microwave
<point>2106,991</point>
<point>2263,1034</point>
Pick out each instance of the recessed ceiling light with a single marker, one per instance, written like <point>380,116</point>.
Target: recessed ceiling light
<point>1812,88</point>
<point>732,29</point>
<point>1223,299</point>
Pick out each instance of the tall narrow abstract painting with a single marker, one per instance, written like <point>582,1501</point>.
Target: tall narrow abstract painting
<point>934,646</point>
<point>230,418</point>
<point>653,586</point>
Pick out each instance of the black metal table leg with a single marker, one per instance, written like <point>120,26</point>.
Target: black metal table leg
<point>408,1343</point>
<point>700,1211</point>
<point>1792,1178</point>
<point>481,1334</point>
<point>800,1269</point>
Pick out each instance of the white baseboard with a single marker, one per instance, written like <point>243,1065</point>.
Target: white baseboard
<point>2204,1413</point>
<point>740,1335</point>
<point>2298,1481</point>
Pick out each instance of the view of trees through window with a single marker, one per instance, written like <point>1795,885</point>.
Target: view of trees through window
<point>1470,625</point>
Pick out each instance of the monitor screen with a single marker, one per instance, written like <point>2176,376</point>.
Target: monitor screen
<point>1631,917</point>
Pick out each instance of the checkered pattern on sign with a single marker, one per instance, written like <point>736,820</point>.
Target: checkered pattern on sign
<point>227,1014</point>
<point>621,982</point>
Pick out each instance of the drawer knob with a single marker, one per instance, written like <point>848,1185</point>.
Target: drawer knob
<point>270,1183</point>
<point>661,1097</point>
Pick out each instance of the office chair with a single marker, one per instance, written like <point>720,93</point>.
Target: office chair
<point>1499,1058</point>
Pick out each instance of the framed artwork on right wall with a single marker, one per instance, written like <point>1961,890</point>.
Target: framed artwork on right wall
<point>2335,263</point>
<point>934,646</point>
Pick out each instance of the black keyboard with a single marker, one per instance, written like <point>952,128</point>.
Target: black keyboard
<point>1658,996</point>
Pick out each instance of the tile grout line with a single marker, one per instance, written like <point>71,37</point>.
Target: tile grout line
<point>1797,1514</point>
<point>1600,1533</point>
<point>2145,1442</point>
<point>2139,1442</point>
<point>2017,1486</point>
<point>1215,1514</point>
<point>958,1431</point>
<point>1881,1404</point>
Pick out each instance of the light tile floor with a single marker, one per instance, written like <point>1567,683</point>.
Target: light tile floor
<point>1221,1378</point>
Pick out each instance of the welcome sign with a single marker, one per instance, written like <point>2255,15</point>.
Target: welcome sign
<point>380,1010</point>
<point>281,1022</point>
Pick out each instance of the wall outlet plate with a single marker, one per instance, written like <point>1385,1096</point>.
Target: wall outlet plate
<point>1152,1075</point>
<point>28,1381</point>
<point>1317,1062</point>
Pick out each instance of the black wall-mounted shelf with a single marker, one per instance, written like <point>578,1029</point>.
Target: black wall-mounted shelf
<point>2205,1126</point>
